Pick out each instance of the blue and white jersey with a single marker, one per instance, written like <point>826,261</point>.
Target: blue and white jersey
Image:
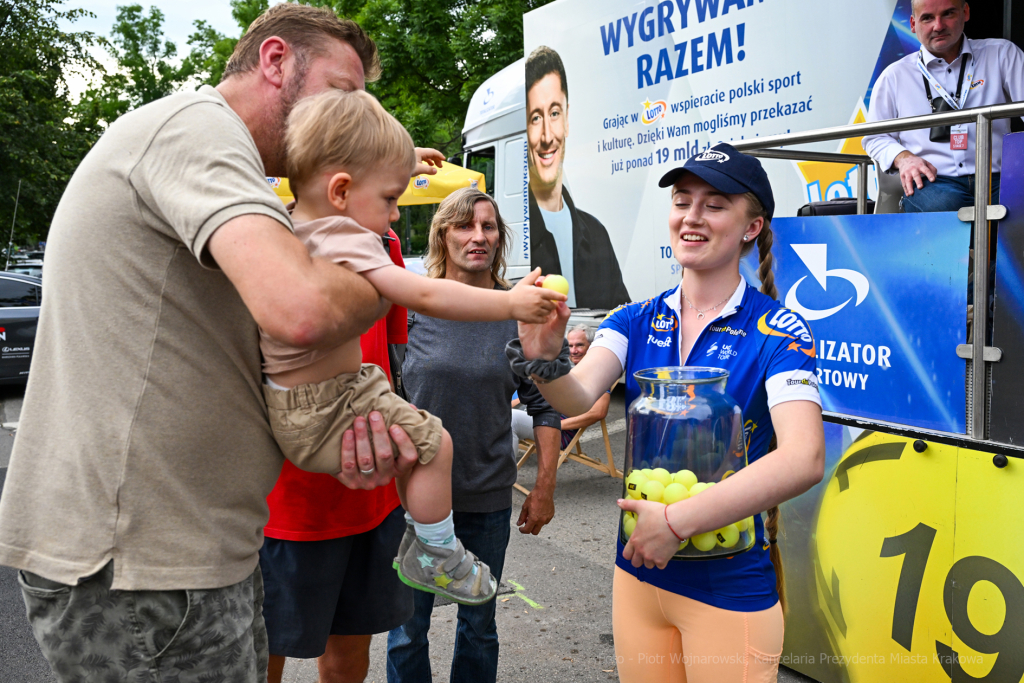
<point>770,355</point>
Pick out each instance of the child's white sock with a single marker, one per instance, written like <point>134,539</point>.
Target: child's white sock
<point>409,519</point>
<point>440,535</point>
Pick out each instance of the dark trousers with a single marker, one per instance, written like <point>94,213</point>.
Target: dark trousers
<point>486,535</point>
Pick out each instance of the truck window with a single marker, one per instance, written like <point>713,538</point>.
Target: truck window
<point>514,168</point>
<point>482,161</point>
<point>17,293</point>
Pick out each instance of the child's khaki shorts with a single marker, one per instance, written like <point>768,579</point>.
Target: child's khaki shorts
<point>309,420</point>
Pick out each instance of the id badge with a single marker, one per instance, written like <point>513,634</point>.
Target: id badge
<point>958,137</point>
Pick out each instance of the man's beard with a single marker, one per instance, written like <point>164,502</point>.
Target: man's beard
<point>277,126</point>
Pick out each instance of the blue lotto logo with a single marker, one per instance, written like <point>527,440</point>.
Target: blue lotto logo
<point>653,111</point>
<point>421,183</point>
<point>665,323</point>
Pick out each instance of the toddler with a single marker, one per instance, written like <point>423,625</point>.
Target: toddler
<point>348,163</point>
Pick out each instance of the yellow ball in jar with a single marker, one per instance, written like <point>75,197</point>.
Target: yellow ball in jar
<point>674,493</point>
<point>685,477</point>
<point>628,524</point>
<point>634,481</point>
<point>727,536</point>
<point>662,475</point>
<point>705,542</point>
<point>652,491</point>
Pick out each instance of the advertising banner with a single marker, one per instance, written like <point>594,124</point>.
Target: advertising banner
<point>886,349</point>
<point>891,574</point>
<point>619,92</point>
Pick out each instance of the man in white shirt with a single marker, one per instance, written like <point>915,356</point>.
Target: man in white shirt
<point>937,171</point>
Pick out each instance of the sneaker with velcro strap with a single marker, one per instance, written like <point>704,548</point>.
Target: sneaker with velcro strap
<point>407,539</point>
<point>455,574</point>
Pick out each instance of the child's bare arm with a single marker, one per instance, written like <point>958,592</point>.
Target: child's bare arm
<point>452,300</point>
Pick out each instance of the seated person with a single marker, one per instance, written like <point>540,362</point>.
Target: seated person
<point>348,162</point>
<point>580,337</point>
<point>951,71</point>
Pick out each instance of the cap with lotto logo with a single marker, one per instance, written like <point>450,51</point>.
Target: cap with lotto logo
<point>727,170</point>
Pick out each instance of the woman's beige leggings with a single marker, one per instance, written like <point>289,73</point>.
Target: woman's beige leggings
<point>661,637</point>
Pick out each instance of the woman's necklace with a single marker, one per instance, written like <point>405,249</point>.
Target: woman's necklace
<point>700,313</point>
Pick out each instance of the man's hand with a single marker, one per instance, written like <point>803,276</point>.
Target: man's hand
<point>913,170</point>
<point>427,159</point>
<point>537,511</point>
<point>372,451</point>
<point>539,507</point>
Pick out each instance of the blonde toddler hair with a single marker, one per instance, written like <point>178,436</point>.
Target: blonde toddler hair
<point>347,131</point>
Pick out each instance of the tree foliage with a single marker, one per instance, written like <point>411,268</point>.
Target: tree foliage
<point>435,55</point>
<point>146,68</point>
<point>40,142</point>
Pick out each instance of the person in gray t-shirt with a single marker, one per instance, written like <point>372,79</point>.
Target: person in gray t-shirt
<point>459,372</point>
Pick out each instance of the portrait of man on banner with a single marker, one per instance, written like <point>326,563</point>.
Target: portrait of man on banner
<point>563,239</point>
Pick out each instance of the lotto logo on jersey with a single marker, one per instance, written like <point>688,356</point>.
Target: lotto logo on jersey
<point>784,323</point>
<point>665,322</point>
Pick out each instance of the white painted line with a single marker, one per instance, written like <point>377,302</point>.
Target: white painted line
<point>593,432</point>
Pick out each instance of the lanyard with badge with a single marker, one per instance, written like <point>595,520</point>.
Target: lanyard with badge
<point>955,135</point>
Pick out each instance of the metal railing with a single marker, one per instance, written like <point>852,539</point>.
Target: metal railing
<point>767,147</point>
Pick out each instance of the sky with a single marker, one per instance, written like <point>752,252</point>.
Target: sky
<point>178,18</point>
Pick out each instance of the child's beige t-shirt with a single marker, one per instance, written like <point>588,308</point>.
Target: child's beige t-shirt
<point>343,241</point>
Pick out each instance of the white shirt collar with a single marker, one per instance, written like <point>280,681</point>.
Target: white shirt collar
<point>675,300</point>
<point>965,49</point>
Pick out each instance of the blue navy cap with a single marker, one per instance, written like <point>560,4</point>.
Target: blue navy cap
<point>729,171</point>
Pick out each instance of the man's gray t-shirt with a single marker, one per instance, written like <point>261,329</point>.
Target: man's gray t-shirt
<point>144,436</point>
<point>459,372</point>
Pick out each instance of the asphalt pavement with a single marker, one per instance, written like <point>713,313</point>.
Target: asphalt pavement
<point>554,618</point>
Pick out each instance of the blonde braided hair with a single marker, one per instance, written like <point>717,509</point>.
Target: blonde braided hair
<point>765,238</point>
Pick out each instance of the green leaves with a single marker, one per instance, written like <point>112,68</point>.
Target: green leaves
<point>435,55</point>
<point>41,143</point>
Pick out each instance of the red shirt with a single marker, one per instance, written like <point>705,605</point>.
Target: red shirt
<point>305,506</point>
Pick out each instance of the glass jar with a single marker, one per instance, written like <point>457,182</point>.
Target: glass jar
<point>684,434</point>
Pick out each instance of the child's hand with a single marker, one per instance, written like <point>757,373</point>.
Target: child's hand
<point>532,304</point>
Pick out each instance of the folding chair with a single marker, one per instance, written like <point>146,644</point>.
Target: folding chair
<point>574,451</point>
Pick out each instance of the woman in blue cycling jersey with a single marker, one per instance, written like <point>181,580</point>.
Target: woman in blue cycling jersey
<point>714,620</point>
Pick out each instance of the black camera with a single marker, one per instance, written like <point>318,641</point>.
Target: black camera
<point>940,133</point>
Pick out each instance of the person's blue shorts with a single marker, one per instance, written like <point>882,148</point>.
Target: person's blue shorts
<point>343,586</point>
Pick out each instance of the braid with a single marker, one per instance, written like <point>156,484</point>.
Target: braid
<point>764,270</point>
<point>773,517</point>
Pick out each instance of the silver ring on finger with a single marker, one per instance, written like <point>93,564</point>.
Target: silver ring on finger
<point>368,472</point>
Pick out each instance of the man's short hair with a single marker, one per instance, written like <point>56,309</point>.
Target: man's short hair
<point>585,329</point>
<point>307,31</point>
<point>346,131</point>
<point>540,63</point>
<point>914,4</point>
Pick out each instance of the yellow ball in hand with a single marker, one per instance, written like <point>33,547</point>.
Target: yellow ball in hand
<point>652,491</point>
<point>628,524</point>
<point>556,283</point>
<point>674,493</point>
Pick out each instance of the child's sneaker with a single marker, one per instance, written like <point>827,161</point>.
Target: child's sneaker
<point>407,539</point>
<point>455,574</point>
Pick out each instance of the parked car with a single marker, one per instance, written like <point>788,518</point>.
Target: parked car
<point>20,297</point>
<point>27,267</point>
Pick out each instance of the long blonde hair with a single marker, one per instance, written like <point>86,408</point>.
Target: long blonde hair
<point>458,208</point>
